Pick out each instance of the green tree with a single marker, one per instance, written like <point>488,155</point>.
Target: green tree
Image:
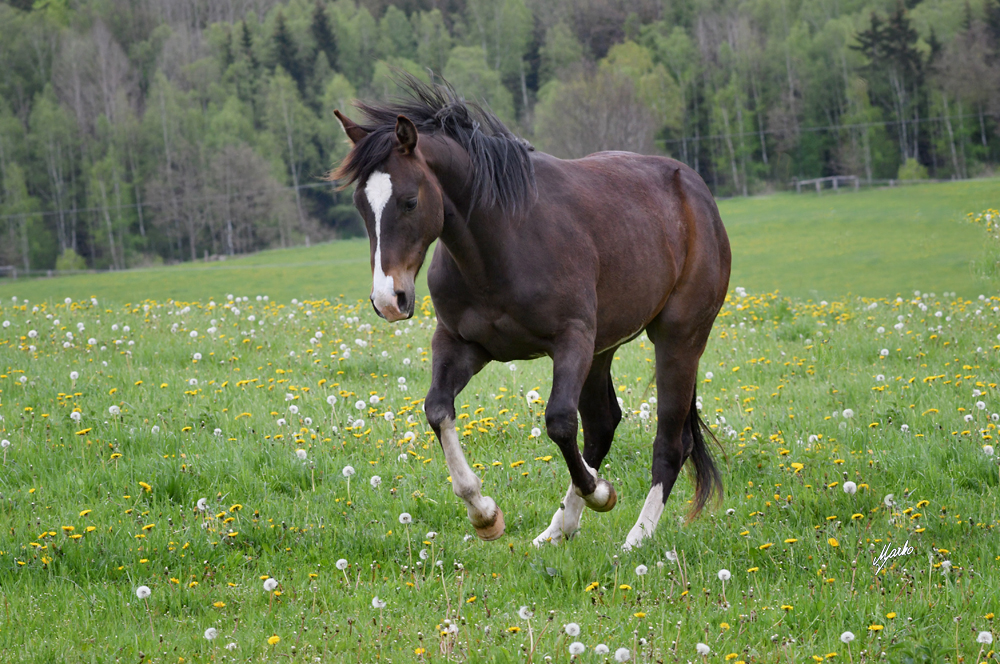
<point>560,53</point>
<point>322,32</point>
<point>433,40</point>
<point>396,35</point>
<point>468,72</point>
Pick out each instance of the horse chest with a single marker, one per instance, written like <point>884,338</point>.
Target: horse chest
<point>504,337</point>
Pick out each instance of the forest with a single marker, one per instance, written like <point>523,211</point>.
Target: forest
<point>140,132</point>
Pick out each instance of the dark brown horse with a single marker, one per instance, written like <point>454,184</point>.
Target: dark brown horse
<point>540,256</point>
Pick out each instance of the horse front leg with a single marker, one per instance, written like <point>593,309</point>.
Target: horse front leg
<point>455,363</point>
<point>571,365</point>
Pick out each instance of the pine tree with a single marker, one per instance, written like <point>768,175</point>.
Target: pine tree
<point>286,52</point>
<point>246,42</point>
<point>227,50</point>
<point>323,34</point>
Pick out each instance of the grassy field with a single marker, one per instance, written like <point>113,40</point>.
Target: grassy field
<point>190,447</point>
<point>874,243</point>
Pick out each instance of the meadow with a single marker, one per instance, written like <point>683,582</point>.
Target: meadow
<point>877,242</point>
<point>258,470</point>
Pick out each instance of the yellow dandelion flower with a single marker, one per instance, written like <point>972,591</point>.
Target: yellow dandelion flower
<point>791,540</point>
<point>146,487</point>
<point>273,640</point>
<point>724,625</point>
<point>786,607</point>
<point>624,586</point>
<point>875,628</point>
<point>752,570</point>
<point>731,656</point>
<point>514,630</point>
<point>419,651</point>
<point>149,526</point>
<point>84,512</point>
<point>763,547</point>
<point>891,615</point>
<point>592,586</point>
<point>219,605</point>
<point>833,542</point>
<point>639,614</point>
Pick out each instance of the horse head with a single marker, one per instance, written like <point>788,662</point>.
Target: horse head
<point>402,205</point>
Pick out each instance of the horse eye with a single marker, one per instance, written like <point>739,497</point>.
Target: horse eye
<point>410,205</point>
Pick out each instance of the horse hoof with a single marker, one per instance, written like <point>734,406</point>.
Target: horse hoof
<point>494,530</point>
<point>604,497</point>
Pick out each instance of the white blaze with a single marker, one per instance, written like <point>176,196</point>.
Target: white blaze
<point>378,190</point>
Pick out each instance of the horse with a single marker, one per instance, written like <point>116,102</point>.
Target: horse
<point>539,256</point>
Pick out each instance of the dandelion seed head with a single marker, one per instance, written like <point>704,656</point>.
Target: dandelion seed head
<point>725,575</point>
<point>641,570</point>
<point>702,649</point>
<point>142,592</point>
<point>984,638</point>
<point>622,655</point>
<point>375,481</point>
<point>301,454</point>
<point>850,488</point>
<point>572,629</point>
<point>405,518</point>
<point>342,564</point>
<point>270,584</point>
<point>347,471</point>
<point>524,614</point>
<point>601,649</point>
<point>847,637</point>
<point>211,633</point>
<point>576,648</point>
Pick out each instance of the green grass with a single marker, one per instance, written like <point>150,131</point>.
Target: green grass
<point>91,510</point>
<point>876,242</point>
<point>781,370</point>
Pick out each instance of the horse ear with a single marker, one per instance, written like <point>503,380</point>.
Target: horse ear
<point>353,131</point>
<point>406,132</point>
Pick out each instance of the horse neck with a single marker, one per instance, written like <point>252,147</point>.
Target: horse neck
<point>467,233</point>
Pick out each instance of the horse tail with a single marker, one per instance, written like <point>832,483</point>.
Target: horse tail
<point>707,480</point>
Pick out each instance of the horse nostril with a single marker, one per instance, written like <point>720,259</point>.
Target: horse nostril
<point>379,313</point>
<point>401,300</point>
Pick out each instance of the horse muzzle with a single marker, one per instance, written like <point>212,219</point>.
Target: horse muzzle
<point>395,307</point>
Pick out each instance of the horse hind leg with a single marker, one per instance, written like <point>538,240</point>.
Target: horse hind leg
<point>678,434</point>
<point>600,415</point>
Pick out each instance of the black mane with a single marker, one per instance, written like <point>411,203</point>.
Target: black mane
<point>502,174</point>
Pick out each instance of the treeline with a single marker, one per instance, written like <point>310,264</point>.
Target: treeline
<point>164,130</point>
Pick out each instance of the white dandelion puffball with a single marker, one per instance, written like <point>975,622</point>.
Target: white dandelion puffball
<point>194,334</point>
<point>536,432</point>
<point>524,614</point>
<point>572,629</point>
<point>702,649</point>
<point>270,584</point>
<point>980,405</point>
<point>211,633</point>
<point>377,603</point>
<point>373,399</point>
<point>193,381</point>
<point>968,417</point>
<point>402,457</point>
<point>884,352</point>
<point>217,432</point>
<point>197,356</point>
<point>850,488</point>
<point>725,575</point>
<point>75,416</point>
<point>4,443</point>
<point>641,570</point>
<point>988,449</point>
<point>359,404</point>
<point>301,454</point>
<point>847,637</point>
<point>576,648</point>
<point>202,504</point>
<point>622,655</point>
<point>142,592</point>
<point>281,422</point>
<point>672,556</point>
<point>709,375</point>
<point>889,500</point>
<point>73,375</point>
<point>601,649</point>
<point>848,413</point>
<point>115,410</point>
<point>388,415</point>
<point>431,534</point>
<point>342,564</point>
<point>294,410</point>
<point>331,400</point>
<point>531,397</point>
<point>405,518</point>
<point>347,471</point>
<point>375,481</point>
<point>985,638</point>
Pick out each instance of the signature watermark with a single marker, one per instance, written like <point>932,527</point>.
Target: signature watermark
<point>888,554</point>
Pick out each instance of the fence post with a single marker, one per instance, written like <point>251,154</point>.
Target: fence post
<point>817,186</point>
<point>798,186</point>
<point>836,182</point>
<point>857,183</point>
